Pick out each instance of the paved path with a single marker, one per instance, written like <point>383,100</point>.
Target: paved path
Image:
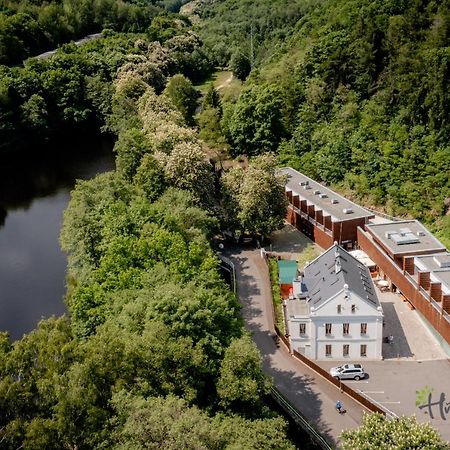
<point>311,394</point>
<point>412,340</point>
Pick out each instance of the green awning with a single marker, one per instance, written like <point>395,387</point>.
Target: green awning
<point>287,269</point>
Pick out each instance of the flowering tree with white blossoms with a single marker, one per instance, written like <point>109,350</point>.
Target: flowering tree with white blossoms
<point>404,433</point>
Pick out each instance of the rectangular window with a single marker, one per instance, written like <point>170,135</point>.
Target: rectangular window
<point>345,350</point>
<point>302,328</point>
<point>328,350</point>
<point>363,350</point>
<point>345,328</point>
<point>353,308</point>
<point>328,329</point>
<point>364,328</point>
<point>339,309</point>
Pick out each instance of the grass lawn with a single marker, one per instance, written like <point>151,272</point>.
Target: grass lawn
<point>309,253</point>
<point>224,82</point>
<point>276,294</point>
<point>217,78</point>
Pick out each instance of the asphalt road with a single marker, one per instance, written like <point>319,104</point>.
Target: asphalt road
<point>312,395</point>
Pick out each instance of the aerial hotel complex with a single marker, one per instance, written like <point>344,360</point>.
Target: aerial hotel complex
<point>406,258</point>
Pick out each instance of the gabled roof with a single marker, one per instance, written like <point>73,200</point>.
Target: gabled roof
<point>334,271</point>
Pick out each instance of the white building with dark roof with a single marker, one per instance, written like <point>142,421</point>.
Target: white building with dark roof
<point>334,312</point>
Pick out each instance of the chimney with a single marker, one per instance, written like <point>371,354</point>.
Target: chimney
<point>337,261</point>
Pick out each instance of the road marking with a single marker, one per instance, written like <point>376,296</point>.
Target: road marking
<point>390,402</point>
<point>355,381</point>
<point>372,392</point>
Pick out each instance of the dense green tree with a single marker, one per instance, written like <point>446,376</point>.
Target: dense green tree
<point>130,148</point>
<point>256,124</point>
<point>169,423</point>
<point>242,383</point>
<point>240,65</point>
<point>183,95</point>
<point>150,178</point>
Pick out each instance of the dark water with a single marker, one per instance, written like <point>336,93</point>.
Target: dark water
<point>34,191</point>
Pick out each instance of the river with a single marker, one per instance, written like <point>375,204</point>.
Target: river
<point>34,191</point>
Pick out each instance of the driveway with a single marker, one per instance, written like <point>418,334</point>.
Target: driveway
<point>312,395</point>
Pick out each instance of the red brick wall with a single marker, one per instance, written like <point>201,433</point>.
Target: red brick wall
<point>311,211</point>
<point>408,264</point>
<point>436,291</point>
<point>322,238</point>
<point>319,216</point>
<point>304,206</point>
<point>327,222</point>
<point>409,290</point>
<point>446,302</point>
<point>346,231</point>
<point>296,201</point>
<point>424,280</point>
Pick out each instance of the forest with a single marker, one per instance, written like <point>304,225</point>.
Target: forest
<point>153,352</point>
<point>354,94</point>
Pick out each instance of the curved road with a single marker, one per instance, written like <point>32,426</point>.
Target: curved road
<point>79,42</point>
<point>311,394</point>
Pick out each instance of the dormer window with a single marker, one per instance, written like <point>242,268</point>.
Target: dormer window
<point>339,309</point>
<point>353,308</point>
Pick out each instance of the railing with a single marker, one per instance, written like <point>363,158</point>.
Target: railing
<point>385,216</point>
<point>230,267</point>
<point>299,419</point>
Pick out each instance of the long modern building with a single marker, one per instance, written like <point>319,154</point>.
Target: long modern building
<point>322,214</point>
<point>415,264</point>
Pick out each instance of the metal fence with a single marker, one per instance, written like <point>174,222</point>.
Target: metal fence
<point>299,419</point>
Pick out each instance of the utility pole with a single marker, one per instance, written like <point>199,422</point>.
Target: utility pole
<point>251,45</point>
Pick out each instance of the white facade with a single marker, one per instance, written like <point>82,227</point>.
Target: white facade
<point>342,326</point>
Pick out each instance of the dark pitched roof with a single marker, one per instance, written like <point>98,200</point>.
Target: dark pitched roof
<point>330,272</point>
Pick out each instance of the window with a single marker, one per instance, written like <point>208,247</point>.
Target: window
<point>328,329</point>
<point>345,350</point>
<point>353,308</point>
<point>302,328</point>
<point>363,350</point>
<point>328,350</point>
<point>345,328</point>
<point>339,309</point>
<point>364,328</point>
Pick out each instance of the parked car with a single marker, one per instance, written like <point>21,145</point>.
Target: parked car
<point>348,371</point>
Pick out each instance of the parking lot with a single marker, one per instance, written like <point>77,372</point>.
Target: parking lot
<point>394,386</point>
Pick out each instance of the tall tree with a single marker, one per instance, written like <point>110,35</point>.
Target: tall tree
<point>253,198</point>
